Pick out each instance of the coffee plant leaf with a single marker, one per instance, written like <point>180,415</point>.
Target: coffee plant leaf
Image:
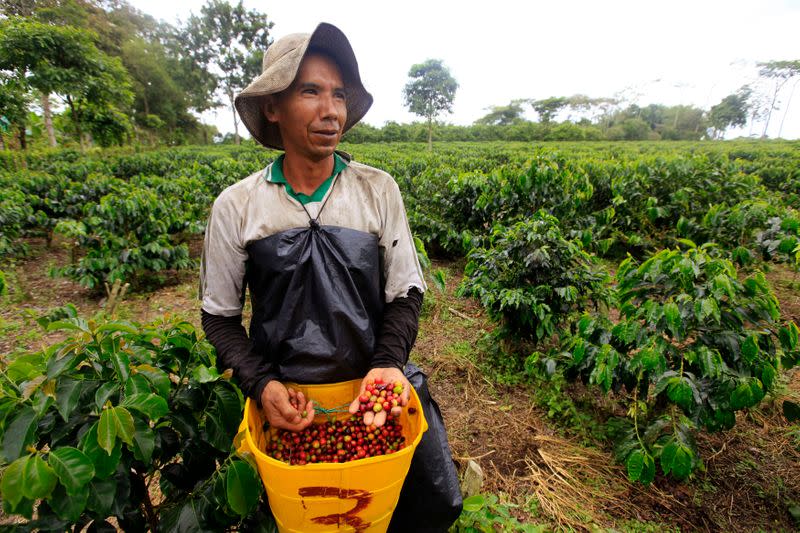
<point>204,374</point>
<point>676,459</point>
<point>749,349</point>
<point>13,480</point>
<point>156,376</point>
<point>137,384</point>
<point>149,404</point>
<point>69,507</point>
<point>76,324</point>
<point>474,503</point>
<point>679,391</point>
<point>73,468</point>
<point>768,375</point>
<point>68,393</point>
<point>121,363</point>
<point>25,367</point>
<point>747,393</point>
<point>710,361</point>
<point>19,434</point>
<point>641,467</point>
<point>101,495</point>
<point>107,431</point>
<point>243,487</point>
<point>104,393</point>
<point>144,440</point>
<point>105,463</point>
<point>672,315</point>
<point>788,335</point>
<point>38,478</point>
<point>123,420</point>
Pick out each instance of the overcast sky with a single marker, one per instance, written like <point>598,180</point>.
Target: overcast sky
<point>676,52</point>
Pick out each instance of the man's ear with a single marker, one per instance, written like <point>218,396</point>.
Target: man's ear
<point>269,108</point>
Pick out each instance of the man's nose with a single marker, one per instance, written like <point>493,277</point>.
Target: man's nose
<point>328,107</point>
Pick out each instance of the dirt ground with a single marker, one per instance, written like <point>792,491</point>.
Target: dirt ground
<point>551,475</point>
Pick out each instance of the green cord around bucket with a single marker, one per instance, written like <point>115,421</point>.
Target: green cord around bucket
<point>330,413</point>
<point>344,408</point>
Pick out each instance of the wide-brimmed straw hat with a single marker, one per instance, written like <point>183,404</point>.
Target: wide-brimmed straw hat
<point>279,68</point>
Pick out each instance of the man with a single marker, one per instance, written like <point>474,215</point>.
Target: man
<point>324,246</point>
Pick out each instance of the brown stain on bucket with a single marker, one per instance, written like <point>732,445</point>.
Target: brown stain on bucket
<point>362,497</point>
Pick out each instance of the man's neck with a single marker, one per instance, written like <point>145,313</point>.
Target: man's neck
<point>304,175</point>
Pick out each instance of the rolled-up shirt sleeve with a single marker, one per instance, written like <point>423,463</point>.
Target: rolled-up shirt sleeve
<point>222,267</point>
<point>401,266</point>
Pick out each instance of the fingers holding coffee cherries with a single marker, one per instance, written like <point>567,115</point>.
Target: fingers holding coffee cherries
<point>380,398</point>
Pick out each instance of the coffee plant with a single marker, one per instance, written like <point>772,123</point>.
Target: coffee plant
<point>485,514</point>
<point>125,236</point>
<point>14,215</point>
<point>693,345</point>
<point>122,421</point>
<point>779,240</point>
<point>531,278</point>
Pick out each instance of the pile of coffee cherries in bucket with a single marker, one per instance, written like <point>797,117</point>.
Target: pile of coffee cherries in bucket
<point>336,441</point>
<point>373,431</point>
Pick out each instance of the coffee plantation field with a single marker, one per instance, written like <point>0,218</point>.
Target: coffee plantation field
<point>627,310</point>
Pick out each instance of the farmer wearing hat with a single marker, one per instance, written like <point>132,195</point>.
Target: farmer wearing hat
<point>323,244</point>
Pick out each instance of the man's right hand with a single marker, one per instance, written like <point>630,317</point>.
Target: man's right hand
<point>284,407</point>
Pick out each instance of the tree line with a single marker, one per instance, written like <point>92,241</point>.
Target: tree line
<point>431,91</point>
<point>100,72</point>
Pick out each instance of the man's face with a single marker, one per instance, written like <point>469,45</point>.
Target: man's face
<point>312,111</point>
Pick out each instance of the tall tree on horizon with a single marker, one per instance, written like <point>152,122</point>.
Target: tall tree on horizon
<point>503,115</point>
<point>781,72</point>
<point>732,111</point>
<point>430,91</point>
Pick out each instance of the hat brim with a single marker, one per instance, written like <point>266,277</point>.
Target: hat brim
<point>280,75</point>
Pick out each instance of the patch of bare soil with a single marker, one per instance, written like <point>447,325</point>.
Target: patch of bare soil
<point>33,292</point>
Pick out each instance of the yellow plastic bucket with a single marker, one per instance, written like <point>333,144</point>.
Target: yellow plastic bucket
<point>354,496</point>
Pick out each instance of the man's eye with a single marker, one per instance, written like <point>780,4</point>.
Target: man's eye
<point>341,96</point>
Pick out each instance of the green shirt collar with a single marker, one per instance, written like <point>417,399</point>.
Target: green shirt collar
<point>275,175</point>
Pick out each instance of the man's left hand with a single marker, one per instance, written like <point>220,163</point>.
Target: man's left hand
<point>388,375</point>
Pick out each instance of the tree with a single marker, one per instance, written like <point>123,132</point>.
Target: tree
<point>13,106</point>
<point>65,61</point>
<point>582,104</point>
<point>781,72</point>
<point>548,108</point>
<point>730,112</point>
<point>228,41</point>
<point>430,91</point>
<point>159,102</point>
<point>503,115</point>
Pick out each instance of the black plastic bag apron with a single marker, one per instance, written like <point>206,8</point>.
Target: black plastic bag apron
<point>317,297</point>
<point>317,301</point>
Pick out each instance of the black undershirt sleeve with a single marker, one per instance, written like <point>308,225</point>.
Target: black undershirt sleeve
<point>398,331</point>
<point>235,350</point>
